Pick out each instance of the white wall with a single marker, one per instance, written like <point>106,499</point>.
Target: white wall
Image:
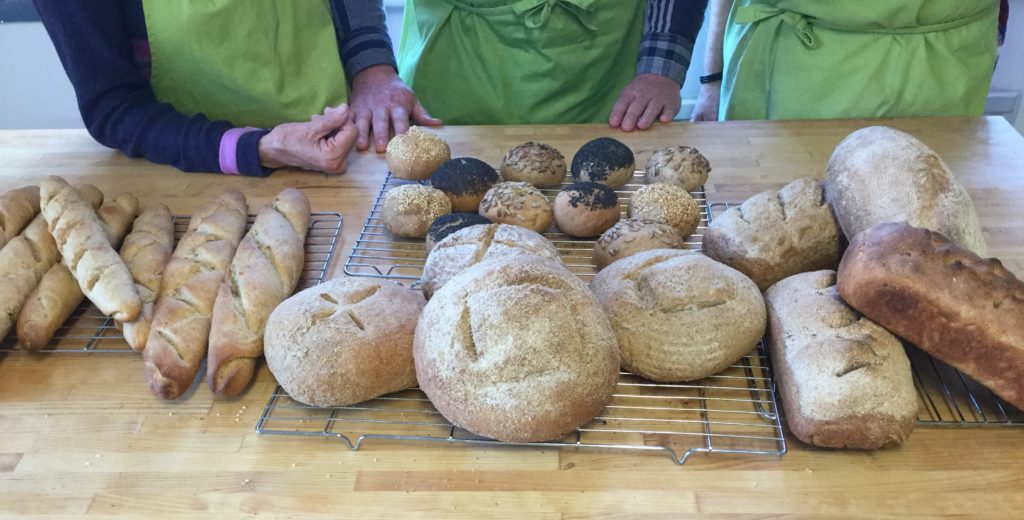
<point>35,93</point>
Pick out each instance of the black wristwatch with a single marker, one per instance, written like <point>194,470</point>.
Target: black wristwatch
<point>711,78</point>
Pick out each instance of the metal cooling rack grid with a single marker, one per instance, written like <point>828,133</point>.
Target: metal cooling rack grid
<point>946,396</point>
<point>88,330</point>
<point>377,253</point>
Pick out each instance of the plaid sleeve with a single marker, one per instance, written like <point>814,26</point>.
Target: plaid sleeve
<point>363,39</point>
<point>670,30</point>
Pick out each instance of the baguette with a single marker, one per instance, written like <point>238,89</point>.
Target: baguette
<point>85,250</point>
<point>146,251</point>
<point>17,208</point>
<point>264,272</point>
<point>946,300</point>
<point>26,259</point>
<point>58,293</point>
<point>181,319</point>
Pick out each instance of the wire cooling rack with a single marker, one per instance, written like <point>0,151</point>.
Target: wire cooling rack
<point>377,253</point>
<point>88,330</point>
<point>731,412</point>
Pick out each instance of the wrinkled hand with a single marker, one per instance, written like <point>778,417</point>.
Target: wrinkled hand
<point>322,144</point>
<point>646,98</point>
<point>380,98</point>
<point>708,101</point>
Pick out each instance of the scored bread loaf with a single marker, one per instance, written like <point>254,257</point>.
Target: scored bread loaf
<point>844,380</point>
<point>776,234</point>
<point>147,250</point>
<point>181,318</point>
<point>265,271</point>
<point>58,293</point>
<point>26,259</point>
<point>17,208</point>
<point>948,301</point>
<point>85,250</point>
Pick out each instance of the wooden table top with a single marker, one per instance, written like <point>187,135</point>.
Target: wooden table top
<point>82,434</point>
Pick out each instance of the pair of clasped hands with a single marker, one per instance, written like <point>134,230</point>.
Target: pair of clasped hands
<point>381,102</point>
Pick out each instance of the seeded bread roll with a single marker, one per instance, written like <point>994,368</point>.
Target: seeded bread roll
<point>776,234</point>
<point>667,204</point>
<point>470,246</point>
<point>844,380</point>
<point>415,154</point>
<point>519,204</point>
<point>146,251</point>
<point>954,305</point>
<point>464,180</point>
<point>632,236</point>
<point>679,315</point>
<point>538,164</point>
<point>448,224</point>
<point>586,209</point>
<point>604,160</point>
<point>344,341</point>
<point>17,208</point>
<point>682,166</point>
<point>408,210</point>
<point>489,365</point>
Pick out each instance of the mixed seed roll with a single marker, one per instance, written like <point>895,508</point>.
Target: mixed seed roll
<point>604,160</point>
<point>682,166</point>
<point>632,236</point>
<point>536,163</point>
<point>465,180</point>
<point>586,209</point>
<point>518,204</point>
<point>448,224</point>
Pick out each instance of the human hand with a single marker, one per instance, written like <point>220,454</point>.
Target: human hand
<point>322,144</point>
<point>708,101</point>
<point>380,99</point>
<point>646,98</point>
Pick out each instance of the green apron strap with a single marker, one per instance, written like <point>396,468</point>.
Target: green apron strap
<point>252,62</point>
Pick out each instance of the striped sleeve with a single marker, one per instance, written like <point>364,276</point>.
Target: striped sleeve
<point>363,39</point>
<point>670,30</point>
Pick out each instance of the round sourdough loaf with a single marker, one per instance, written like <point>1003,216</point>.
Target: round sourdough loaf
<point>519,351</point>
<point>472,245</point>
<point>344,341</point>
<point>679,315</point>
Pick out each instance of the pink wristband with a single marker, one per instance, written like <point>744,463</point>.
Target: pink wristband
<point>229,149</point>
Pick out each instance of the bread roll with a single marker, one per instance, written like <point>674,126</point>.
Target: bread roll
<point>586,209</point>
<point>450,223</point>
<point>682,166</point>
<point>776,234</point>
<point>415,154</point>
<point>86,251</point>
<point>667,204</point>
<point>632,236</point>
<point>470,246</point>
<point>879,174</point>
<point>464,180</point>
<point>960,308</point>
<point>146,251</point>
<point>408,210</point>
<point>519,204</point>
<point>344,341</point>
<point>679,315</point>
<point>17,208</point>
<point>58,293</point>
<point>536,163</point>
<point>604,160</point>
<point>26,259</point>
<point>845,382</point>
<point>266,268</point>
<point>516,351</point>
<point>181,318</point>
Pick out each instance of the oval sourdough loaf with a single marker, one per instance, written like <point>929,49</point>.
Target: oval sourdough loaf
<point>516,349</point>
<point>879,174</point>
<point>844,380</point>
<point>778,233</point>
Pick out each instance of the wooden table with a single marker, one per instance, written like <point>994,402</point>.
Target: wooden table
<point>81,434</point>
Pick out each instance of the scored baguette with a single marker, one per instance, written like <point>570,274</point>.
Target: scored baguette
<point>58,293</point>
<point>26,259</point>
<point>17,208</point>
<point>181,319</point>
<point>85,250</point>
<point>146,251</point>
<point>264,272</point>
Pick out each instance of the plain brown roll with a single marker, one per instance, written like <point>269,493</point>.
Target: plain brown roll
<point>25,261</point>
<point>181,318</point>
<point>17,208</point>
<point>515,350</point>
<point>266,268</point>
<point>146,251</point>
<point>344,341</point>
<point>679,315</point>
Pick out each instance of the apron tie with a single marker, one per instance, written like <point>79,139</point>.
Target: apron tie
<point>537,12</point>
<point>801,25</point>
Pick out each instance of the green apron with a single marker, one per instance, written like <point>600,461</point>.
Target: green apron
<point>814,59</point>
<point>250,62</point>
<point>520,61</point>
